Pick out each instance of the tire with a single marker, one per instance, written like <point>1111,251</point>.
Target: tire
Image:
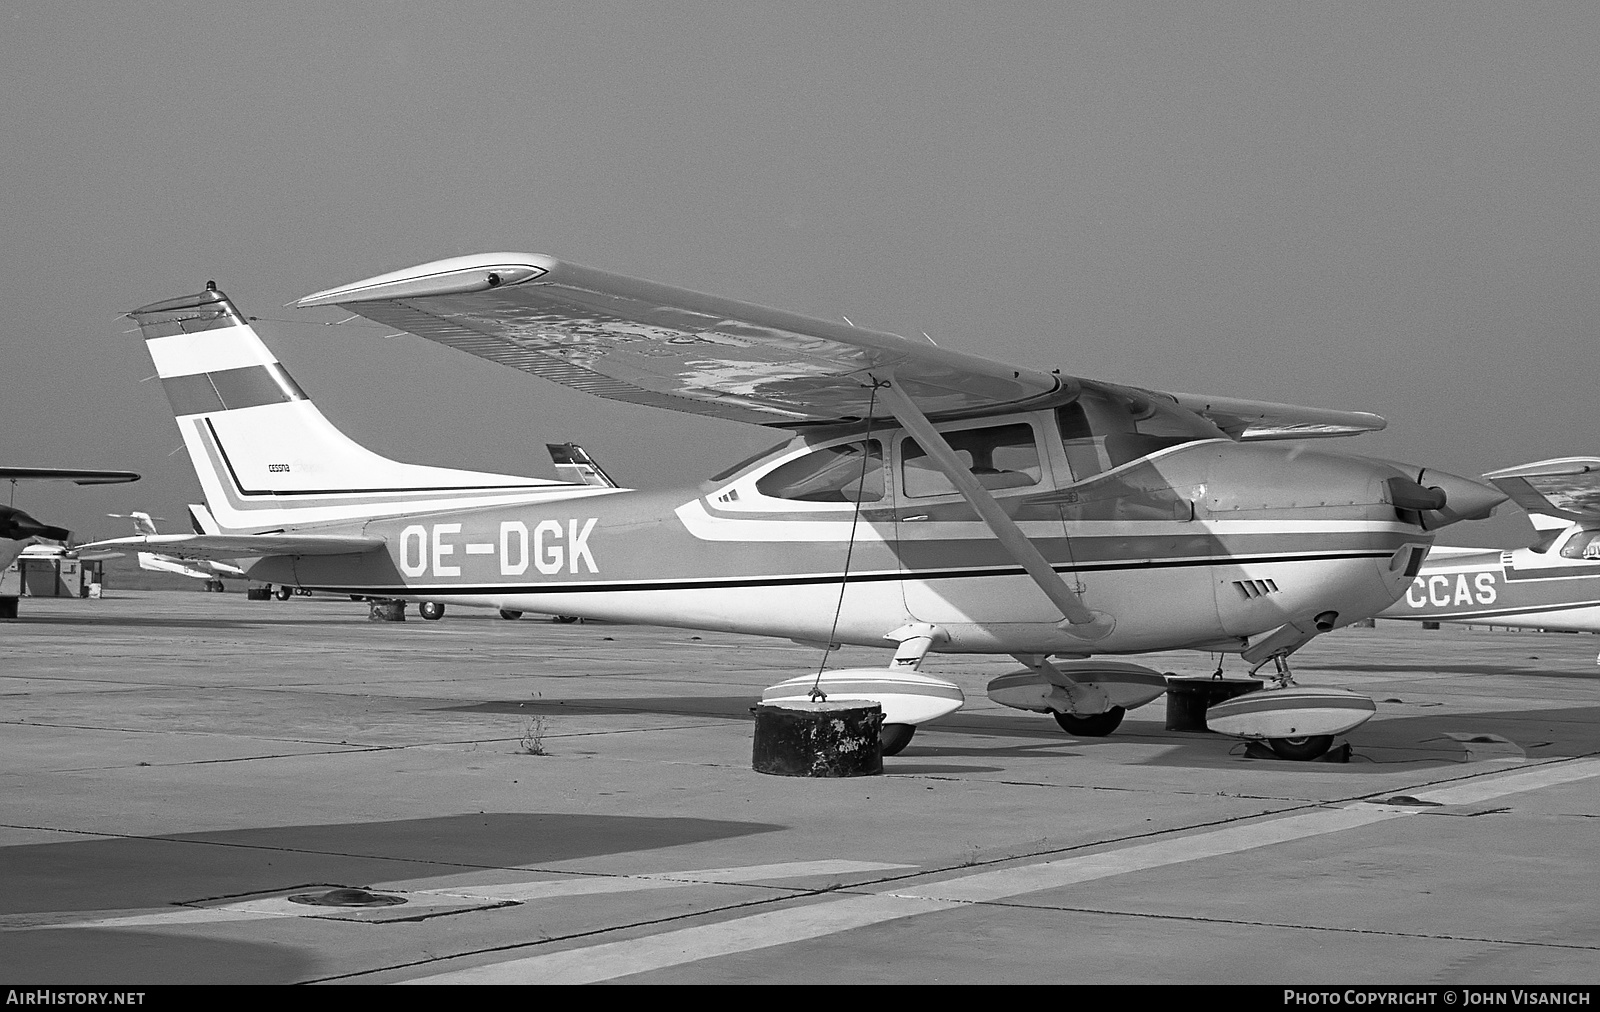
<point>431,610</point>
<point>565,619</point>
<point>8,607</point>
<point>895,737</point>
<point>1096,725</point>
<point>509,614</point>
<point>1301,749</point>
<point>283,593</point>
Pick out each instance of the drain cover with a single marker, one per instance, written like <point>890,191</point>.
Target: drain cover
<point>346,898</point>
<point>1409,802</point>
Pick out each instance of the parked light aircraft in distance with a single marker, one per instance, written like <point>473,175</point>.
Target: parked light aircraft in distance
<point>927,498</point>
<point>18,530</point>
<point>574,464</point>
<point>210,570</point>
<point>1554,584</point>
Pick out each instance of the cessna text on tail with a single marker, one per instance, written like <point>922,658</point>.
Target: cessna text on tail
<point>927,498</point>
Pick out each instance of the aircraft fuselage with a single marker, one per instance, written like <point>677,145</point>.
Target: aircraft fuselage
<point>1522,589</point>
<point>1201,544</point>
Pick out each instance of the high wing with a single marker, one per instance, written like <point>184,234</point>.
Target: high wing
<point>630,340</point>
<point>239,546</point>
<point>77,474</point>
<point>1567,487</point>
<point>1246,420</point>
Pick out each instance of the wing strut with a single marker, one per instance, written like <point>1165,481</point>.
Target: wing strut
<point>1078,620</point>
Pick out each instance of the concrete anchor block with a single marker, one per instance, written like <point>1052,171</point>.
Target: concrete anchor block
<point>818,739</point>
<point>387,611</point>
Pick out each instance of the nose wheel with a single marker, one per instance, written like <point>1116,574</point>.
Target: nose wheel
<point>895,737</point>
<point>1310,747</point>
<point>1096,725</point>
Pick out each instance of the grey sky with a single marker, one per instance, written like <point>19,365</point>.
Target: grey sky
<point>1384,207</point>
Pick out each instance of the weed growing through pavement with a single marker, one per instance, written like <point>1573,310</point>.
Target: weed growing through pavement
<point>533,733</point>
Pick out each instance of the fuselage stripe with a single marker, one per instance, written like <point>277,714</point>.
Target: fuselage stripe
<point>798,581</point>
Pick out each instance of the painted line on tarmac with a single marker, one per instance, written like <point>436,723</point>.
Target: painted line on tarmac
<point>610,960</point>
<point>590,885</point>
<point>435,901</point>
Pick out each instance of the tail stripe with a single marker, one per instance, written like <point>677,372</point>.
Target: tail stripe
<point>249,387</point>
<point>184,354</point>
<point>219,456</point>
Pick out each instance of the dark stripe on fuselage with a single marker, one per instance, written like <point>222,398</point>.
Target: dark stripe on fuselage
<point>1552,608</point>
<point>1590,570</point>
<point>717,583</point>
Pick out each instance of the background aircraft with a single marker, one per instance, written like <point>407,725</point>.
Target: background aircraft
<point>1554,584</point>
<point>18,530</point>
<point>929,498</point>
<point>574,464</point>
<point>210,570</point>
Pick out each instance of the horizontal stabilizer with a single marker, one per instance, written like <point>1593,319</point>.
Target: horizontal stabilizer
<point>80,475</point>
<point>240,546</point>
<point>1567,487</point>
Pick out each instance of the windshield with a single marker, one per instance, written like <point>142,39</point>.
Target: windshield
<point>1107,428</point>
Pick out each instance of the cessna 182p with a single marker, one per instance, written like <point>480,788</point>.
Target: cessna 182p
<point>938,500</point>
<point>18,530</point>
<point>1554,584</point>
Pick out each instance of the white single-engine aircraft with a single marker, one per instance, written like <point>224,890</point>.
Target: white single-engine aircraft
<point>929,498</point>
<point>18,530</point>
<point>1554,584</point>
<point>210,570</point>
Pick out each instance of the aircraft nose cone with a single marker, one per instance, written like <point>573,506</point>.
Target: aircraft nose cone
<point>1464,498</point>
<point>19,526</point>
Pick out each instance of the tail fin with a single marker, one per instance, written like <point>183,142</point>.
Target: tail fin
<point>265,456</point>
<point>143,523</point>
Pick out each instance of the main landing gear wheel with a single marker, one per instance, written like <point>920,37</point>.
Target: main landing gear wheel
<point>282,593</point>
<point>1309,747</point>
<point>895,737</point>
<point>1096,725</point>
<point>431,610</point>
<point>509,614</point>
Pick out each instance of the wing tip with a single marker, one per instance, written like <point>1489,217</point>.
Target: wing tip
<point>475,272</point>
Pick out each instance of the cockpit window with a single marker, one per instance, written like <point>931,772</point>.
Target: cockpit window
<point>831,474</point>
<point>1000,456</point>
<point>1582,545</point>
